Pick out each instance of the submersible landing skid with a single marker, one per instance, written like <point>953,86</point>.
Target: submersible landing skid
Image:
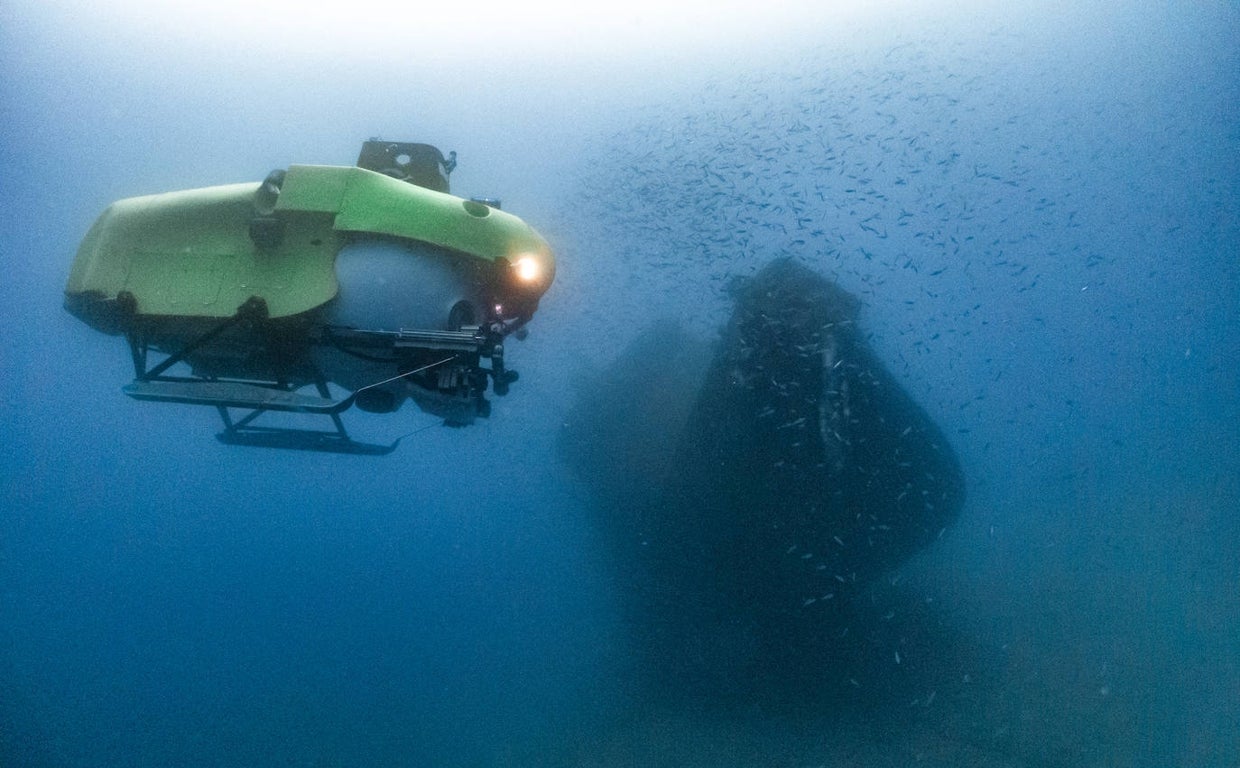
<point>454,363</point>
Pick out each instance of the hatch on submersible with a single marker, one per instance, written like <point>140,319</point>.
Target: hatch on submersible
<point>373,278</point>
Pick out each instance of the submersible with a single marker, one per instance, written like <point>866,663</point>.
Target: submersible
<point>373,277</point>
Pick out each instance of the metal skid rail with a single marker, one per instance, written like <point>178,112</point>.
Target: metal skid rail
<point>465,347</point>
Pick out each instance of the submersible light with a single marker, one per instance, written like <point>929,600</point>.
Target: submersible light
<point>528,269</point>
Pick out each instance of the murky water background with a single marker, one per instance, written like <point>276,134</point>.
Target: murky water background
<point>1038,208</point>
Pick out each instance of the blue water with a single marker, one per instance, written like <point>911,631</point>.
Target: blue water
<point>1038,208</point>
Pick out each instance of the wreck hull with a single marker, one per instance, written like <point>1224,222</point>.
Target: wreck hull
<point>799,472</point>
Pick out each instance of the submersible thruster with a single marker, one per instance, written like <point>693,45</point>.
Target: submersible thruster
<point>252,298</point>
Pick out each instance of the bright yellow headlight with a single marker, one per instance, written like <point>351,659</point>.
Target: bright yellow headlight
<point>528,269</point>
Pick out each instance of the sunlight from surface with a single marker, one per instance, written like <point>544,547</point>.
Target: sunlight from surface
<point>484,29</point>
